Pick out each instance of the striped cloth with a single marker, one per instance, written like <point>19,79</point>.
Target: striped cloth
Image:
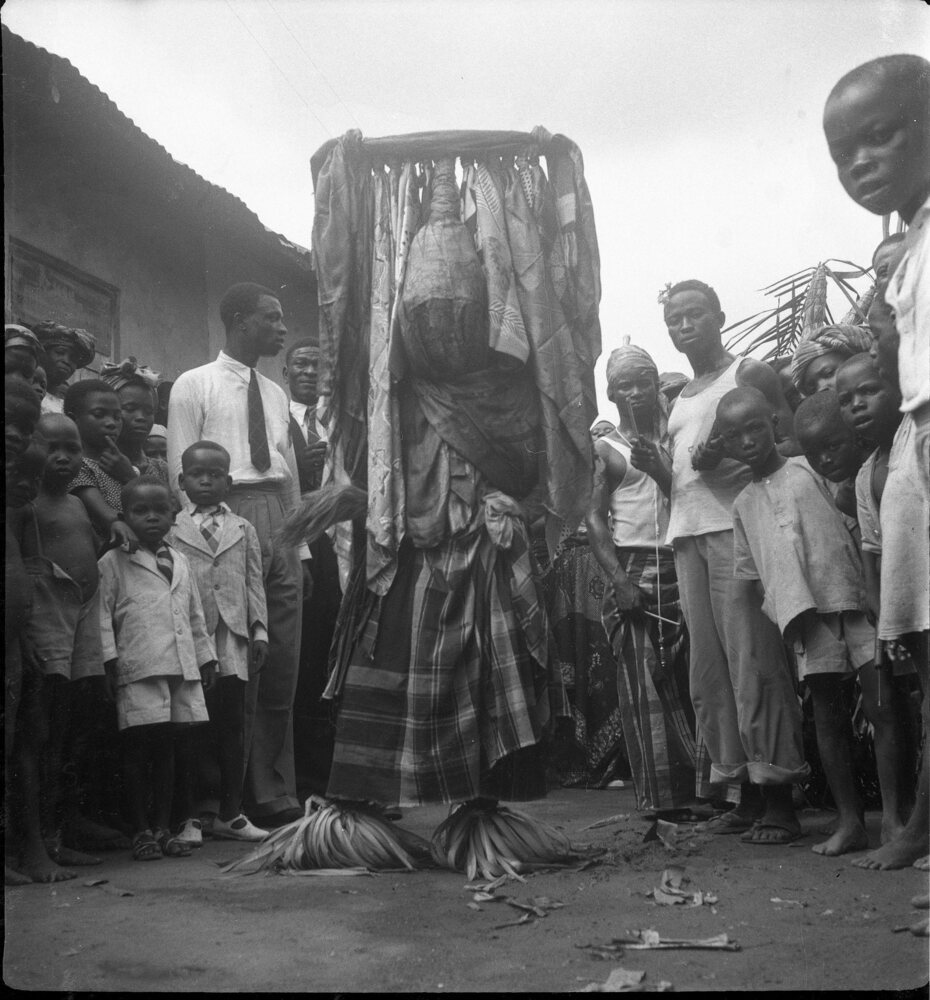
<point>447,675</point>
<point>655,702</point>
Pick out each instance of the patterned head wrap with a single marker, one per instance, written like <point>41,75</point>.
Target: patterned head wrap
<point>80,342</point>
<point>626,360</point>
<point>128,372</point>
<point>631,360</point>
<point>847,340</point>
<point>15,335</point>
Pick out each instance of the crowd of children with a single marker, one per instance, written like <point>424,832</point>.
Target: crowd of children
<point>133,623</point>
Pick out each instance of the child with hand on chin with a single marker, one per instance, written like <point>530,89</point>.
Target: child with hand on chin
<point>792,541</point>
<point>95,408</point>
<point>159,659</point>
<point>226,561</point>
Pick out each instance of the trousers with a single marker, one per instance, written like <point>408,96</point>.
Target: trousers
<point>742,688</point>
<point>270,783</point>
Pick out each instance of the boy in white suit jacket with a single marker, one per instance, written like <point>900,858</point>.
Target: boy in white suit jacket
<point>226,560</point>
<point>158,656</point>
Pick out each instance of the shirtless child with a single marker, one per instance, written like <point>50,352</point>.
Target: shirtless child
<point>789,537</point>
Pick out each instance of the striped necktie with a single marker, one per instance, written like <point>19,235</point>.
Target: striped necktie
<point>164,561</point>
<point>210,525</point>
<point>258,435</point>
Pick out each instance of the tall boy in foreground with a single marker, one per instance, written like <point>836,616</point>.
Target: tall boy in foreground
<point>877,125</point>
<point>226,561</point>
<point>789,537</point>
<point>158,657</point>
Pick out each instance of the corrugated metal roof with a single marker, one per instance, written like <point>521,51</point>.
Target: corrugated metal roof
<point>62,70</point>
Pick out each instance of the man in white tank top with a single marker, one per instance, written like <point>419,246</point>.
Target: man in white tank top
<point>741,685</point>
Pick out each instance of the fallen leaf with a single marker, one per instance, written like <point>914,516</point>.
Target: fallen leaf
<point>787,902</point>
<point>609,821</point>
<point>525,919</point>
<point>473,906</point>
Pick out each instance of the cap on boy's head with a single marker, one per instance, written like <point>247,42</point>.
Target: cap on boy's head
<point>129,490</point>
<point>241,300</point>
<point>158,431</point>
<point>78,392</point>
<point>746,397</point>
<point>212,446</point>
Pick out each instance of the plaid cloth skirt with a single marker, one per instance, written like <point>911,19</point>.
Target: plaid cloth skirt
<point>444,684</point>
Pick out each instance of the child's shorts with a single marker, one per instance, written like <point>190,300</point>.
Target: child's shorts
<point>64,630</point>
<point>838,643</point>
<point>160,699</point>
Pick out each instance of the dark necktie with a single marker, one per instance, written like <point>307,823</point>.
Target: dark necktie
<point>258,436</point>
<point>164,562</point>
<point>209,526</point>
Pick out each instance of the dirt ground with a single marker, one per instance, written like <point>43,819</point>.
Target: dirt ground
<point>803,922</point>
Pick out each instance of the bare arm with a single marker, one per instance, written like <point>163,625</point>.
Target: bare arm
<point>871,566</point>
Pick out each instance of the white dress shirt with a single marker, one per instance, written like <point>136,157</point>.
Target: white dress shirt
<point>211,403</point>
<point>908,294</point>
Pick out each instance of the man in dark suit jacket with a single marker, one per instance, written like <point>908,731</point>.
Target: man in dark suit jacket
<point>313,728</point>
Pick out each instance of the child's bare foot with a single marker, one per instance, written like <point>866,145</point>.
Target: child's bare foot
<point>66,856</point>
<point>898,854</point>
<point>12,877</point>
<point>39,867</point>
<point>846,838</point>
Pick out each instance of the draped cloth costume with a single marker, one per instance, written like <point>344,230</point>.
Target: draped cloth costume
<point>441,667</point>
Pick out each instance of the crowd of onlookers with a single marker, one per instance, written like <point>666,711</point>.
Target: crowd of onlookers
<point>757,533</point>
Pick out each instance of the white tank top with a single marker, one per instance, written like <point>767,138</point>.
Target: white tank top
<point>636,507</point>
<point>702,502</point>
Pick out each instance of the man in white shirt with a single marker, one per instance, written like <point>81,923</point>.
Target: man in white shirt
<point>229,402</point>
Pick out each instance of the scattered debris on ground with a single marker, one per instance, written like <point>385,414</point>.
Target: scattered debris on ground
<point>642,940</point>
<point>671,891</point>
<point>627,981</point>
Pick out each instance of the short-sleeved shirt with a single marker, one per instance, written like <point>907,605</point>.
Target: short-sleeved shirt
<point>91,474</point>
<point>788,533</point>
<point>867,507</point>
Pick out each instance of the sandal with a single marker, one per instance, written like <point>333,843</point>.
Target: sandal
<point>145,847</point>
<point>171,847</point>
<point>728,822</point>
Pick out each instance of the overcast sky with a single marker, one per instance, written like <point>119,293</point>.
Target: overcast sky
<point>699,121</point>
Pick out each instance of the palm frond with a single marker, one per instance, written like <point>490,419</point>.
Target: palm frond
<point>800,308</point>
